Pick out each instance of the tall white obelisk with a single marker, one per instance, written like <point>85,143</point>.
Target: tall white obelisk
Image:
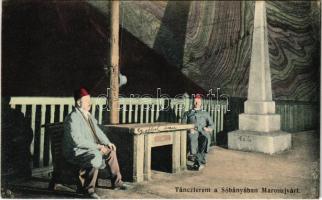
<point>259,126</point>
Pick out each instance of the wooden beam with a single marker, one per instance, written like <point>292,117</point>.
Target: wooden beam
<point>114,63</point>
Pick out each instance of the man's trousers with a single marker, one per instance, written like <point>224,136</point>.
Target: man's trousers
<point>88,175</point>
<point>198,146</point>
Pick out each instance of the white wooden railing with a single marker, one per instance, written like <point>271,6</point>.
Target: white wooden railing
<point>42,110</point>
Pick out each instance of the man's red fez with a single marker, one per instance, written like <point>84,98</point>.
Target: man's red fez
<point>79,93</point>
<point>198,96</point>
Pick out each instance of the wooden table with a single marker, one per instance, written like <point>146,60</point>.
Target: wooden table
<point>135,141</point>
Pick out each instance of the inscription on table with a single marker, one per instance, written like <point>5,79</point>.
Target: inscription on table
<point>154,129</point>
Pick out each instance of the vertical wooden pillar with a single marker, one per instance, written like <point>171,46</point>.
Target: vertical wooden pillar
<point>114,63</point>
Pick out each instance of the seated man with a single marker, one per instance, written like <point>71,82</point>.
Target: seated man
<point>85,145</point>
<point>199,137</point>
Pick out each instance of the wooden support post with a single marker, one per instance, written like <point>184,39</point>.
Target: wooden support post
<point>114,63</point>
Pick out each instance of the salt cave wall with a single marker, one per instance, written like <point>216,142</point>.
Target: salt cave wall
<point>210,42</point>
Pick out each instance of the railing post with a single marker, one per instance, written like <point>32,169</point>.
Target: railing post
<point>33,126</point>
<point>42,136</point>
<point>136,108</point>
<point>141,113</point>
<point>52,120</point>
<point>186,104</point>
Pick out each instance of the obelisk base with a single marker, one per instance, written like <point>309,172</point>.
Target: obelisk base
<point>265,142</point>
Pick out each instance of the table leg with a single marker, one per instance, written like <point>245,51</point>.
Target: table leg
<point>147,157</point>
<point>138,158</point>
<point>176,152</point>
<point>183,151</point>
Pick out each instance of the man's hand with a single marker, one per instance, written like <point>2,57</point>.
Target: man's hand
<point>103,150</point>
<point>207,129</point>
<point>99,146</point>
<point>112,146</point>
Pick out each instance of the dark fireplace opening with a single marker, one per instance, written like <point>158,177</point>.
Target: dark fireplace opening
<point>161,158</point>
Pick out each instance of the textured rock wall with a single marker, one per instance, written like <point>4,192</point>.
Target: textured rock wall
<point>210,42</point>
<point>294,50</point>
